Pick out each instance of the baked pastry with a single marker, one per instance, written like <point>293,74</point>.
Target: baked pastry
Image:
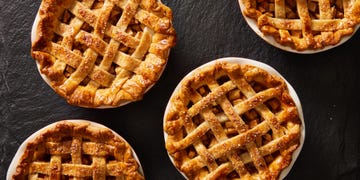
<point>102,53</point>
<point>302,24</point>
<point>77,149</point>
<point>228,121</point>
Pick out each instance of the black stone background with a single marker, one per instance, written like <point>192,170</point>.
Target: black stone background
<point>327,84</point>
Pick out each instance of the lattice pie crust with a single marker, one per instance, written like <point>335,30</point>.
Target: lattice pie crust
<point>102,53</point>
<point>77,150</point>
<point>304,24</point>
<point>229,121</point>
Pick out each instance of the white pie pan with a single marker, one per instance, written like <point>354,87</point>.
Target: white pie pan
<point>15,161</point>
<point>269,39</point>
<point>35,37</point>
<point>244,61</point>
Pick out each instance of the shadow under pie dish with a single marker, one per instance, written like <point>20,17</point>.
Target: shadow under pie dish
<point>75,149</point>
<point>102,53</point>
<point>303,26</point>
<point>234,118</point>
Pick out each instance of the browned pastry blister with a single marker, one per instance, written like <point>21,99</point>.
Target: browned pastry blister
<point>230,121</point>
<point>77,150</point>
<point>305,24</point>
<point>102,53</point>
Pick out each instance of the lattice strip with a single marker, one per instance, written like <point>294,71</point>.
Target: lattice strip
<point>280,9</point>
<point>77,171</point>
<point>76,152</point>
<point>325,9</point>
<point>305,21</point>
<point>102,19</point>
<point>130,9</point>
<point>144,44</point>
<point>121,36</point>
<point>55,167</point>
<point>65,55</point>
<point>81,72</point>
<point>99,167</point>
<point>93,42</point>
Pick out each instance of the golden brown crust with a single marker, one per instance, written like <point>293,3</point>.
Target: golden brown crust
<point>232,121</point>
<point>304,25</point>
<point>77,149</point>
<point>97,53</point>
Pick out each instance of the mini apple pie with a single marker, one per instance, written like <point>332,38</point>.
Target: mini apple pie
<point>102,52</point>
<point>228,121</point>
<point>304,24</point>
<point>76,150</point>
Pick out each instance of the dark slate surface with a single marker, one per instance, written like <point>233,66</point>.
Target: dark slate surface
<point>327,83</point>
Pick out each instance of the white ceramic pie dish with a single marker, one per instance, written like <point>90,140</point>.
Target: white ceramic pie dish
<point>244,61</point>
<point>34,37</point>
<point>16,159</point>
<point>269,39</point>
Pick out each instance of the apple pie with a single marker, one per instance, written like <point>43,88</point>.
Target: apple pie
<point>76,150</point>
<point>228,120</point>
<point>102,53</point>
<point>304,24</point>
